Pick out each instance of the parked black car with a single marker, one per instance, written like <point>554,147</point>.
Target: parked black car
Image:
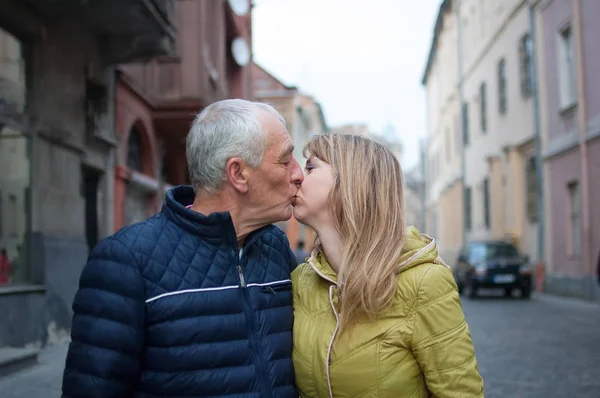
<point>492,264</point>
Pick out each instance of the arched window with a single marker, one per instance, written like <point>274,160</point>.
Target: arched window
<point>134,150</point>
<point>164,170</point>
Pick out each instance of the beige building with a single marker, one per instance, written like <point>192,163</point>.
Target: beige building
<point>413,197</point>
<point>489,124</point>
<point>500,180</point>
<point>443,202</point>
<point>354,128</point>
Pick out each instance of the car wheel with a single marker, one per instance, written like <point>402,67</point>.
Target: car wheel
<point>526,292</point>
<point>461,288</point>
<point>507,292</point>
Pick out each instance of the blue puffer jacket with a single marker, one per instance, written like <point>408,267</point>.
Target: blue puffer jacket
<point>169,308</point>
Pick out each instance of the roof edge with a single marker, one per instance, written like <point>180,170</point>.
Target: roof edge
<point>445,6</point>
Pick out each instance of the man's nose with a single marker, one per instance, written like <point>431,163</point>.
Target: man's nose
<point>297,175</point>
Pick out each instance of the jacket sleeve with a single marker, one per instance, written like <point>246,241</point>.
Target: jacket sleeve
<point>441,341</point>
<point>108,329</point>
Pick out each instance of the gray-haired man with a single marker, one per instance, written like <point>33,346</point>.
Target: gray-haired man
<point>196,301</point>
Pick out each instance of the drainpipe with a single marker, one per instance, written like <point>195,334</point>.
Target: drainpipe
<point>582,113</point>
<point>538,150</point>
<point>109,177</point>
<point>462,124</point>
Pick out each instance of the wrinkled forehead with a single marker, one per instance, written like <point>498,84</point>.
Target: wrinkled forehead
<point>276,135</point>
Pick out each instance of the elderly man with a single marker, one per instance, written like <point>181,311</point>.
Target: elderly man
<point>196,301</point>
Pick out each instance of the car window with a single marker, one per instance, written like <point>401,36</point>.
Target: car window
<point>491,250</point>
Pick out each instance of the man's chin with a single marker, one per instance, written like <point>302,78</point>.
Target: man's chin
<point>285,215</point>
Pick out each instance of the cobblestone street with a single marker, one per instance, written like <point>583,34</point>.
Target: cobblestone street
<point>548,347</point>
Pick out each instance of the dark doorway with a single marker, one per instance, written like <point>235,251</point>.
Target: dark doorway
<point>91,178</point>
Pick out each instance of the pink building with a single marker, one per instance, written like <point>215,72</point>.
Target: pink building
<point>569,58</point>
<point>156,101</point>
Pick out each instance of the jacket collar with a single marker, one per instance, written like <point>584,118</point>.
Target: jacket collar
<point>215,226</point>
<point>321,266</point>
<point>418,249</point>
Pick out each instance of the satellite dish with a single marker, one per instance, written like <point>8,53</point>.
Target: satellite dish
<point>239,7</point>
<point>240,51</point>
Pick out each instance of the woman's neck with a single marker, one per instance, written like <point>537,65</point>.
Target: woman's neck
<point>331,242</point>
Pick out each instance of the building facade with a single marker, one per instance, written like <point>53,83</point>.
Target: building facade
<point>157,100</point>
<point>57,146</point>
<point>413,197</point>
<point>443,147</point>
<point>481,152</point>
<point>569,56</point>
<point>304,118</point>
<point>499,59</point>
<point>361,129</point>
<point>498,124</point>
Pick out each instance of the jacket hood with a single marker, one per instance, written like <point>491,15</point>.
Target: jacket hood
<point>418,249</point>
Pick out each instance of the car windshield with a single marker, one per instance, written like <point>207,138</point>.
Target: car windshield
<point>490,251</point>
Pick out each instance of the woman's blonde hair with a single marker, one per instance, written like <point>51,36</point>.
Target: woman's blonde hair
<point>367,206</point>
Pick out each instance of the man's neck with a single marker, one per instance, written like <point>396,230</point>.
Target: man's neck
<point>225,202</point>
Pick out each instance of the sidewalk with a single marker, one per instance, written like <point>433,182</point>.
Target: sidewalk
<point>40,381</point>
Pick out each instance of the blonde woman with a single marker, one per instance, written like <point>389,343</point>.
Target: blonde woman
<point>377,313</point>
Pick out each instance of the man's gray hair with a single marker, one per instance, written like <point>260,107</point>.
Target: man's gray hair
<point>224,130</point>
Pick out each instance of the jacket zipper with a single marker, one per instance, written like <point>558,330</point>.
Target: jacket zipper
<point>328,358</point>
<point>337,324</point>
<point>251,332</point>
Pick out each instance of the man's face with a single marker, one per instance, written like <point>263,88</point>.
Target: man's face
<point>274,184</point>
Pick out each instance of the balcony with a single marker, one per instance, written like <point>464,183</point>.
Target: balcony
<point>129,30</point>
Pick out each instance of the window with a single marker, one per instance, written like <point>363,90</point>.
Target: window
<point>468,221</point>
<point>567,68</point>
<point>13,213</point>
<point>430,170</point>
<point>502,99</point>
<point>457,135</point>
<point>465,123</point>
<point>483,107</point>
<point>574,221</point>
<point>525,57</point>
<point>15,161</point>
<point>486,203</point>
<point>531,189</point>
<point>448,145</point>
<point>134,150</point>
<point>165,169</point>
<point>12,74</point>
<point>479,252</point>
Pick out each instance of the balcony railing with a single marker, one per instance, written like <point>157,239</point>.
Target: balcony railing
<point>130,29</point>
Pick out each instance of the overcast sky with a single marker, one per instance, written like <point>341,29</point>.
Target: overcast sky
<point>363,60</point>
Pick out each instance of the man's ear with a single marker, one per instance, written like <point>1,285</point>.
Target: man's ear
<point>237,174</point>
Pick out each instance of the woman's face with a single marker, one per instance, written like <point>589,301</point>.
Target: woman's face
<point>311,207</point>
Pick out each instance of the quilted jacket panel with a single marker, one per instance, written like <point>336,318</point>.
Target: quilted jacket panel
<point>161,311</point>
<point>421,347</point>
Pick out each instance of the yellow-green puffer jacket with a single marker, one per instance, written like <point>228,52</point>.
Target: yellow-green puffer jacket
<point>420,347</point>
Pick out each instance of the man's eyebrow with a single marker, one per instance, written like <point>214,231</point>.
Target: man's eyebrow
<point>288,149</point>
